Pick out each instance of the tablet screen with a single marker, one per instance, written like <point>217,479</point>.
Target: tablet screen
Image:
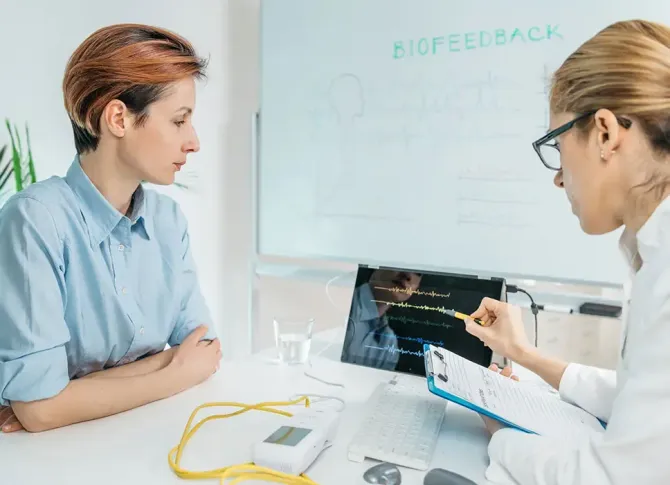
<point>395,311</point>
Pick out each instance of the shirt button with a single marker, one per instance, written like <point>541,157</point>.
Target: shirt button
<point>124,290</point>
<point>142,331</point>
<point>121,247</point>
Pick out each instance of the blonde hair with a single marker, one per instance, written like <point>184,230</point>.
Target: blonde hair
<point>626,69</point>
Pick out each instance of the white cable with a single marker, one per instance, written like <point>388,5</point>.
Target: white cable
<point>321,397</point>
<point>334,339</point>
<point>331,281</point>
<point>330,299</point>
<point>323,381</point>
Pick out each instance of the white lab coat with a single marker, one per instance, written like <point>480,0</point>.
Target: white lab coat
<point>634,400</point>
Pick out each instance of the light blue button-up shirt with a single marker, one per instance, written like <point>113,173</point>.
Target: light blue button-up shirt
<point>369,335</point>
<point>84,288</point>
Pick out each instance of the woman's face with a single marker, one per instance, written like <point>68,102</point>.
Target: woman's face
<point>592,183</point>
<point>157,149</point>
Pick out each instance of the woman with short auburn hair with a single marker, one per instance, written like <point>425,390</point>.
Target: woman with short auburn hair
<point>97,274</point>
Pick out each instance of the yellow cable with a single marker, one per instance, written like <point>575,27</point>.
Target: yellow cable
<point>236,473</point>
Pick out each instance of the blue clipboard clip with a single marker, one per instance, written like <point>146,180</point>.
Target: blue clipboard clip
<point>428,362</point>
<point>430,372</point>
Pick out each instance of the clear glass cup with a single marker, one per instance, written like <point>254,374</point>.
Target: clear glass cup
<point>293,338</point>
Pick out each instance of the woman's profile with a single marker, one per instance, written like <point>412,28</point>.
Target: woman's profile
<point>97,274</point>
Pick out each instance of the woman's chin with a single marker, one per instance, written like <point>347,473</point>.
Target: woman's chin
<point>162,179</point>
<point>596,228</point>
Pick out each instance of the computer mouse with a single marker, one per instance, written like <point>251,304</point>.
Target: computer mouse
<point>438,476</point>
<point>384,474</point>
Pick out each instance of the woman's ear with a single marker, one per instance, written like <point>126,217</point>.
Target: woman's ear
<point>114,118</point>
<point>608,133</point>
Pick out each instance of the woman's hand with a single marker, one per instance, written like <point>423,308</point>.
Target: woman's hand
<point>493,425</point>
<point>503,328</point>
<point>8,421</point>
<point>194,360</point>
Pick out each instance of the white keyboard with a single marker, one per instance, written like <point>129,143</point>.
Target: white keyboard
<point>401,425</point>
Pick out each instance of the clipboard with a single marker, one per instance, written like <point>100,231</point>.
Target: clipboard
<point>574,421</point>
<point>436,369</point>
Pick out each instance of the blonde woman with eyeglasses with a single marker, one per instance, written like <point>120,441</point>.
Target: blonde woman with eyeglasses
<point>609,143</point>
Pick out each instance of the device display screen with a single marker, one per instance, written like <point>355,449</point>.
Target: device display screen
<point>288,435</point>
<point>395,311</point>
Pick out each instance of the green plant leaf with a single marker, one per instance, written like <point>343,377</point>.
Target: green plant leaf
<point>16,159</point>
<point>5,174</point>
<point>5,168</point>
<point>20,164</point>
<point>31,163</point>
<point>18,140</point>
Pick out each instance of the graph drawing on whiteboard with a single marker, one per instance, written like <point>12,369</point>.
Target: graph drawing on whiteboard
<point>346,167</point>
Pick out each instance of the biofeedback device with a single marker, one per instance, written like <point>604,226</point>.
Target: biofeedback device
<point>297,442</point>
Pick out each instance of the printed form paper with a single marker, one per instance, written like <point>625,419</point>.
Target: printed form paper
<point>531,409</point>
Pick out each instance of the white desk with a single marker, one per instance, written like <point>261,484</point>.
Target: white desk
<point>132,447</point>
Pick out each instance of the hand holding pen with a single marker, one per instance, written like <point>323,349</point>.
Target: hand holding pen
<point>500,326</point>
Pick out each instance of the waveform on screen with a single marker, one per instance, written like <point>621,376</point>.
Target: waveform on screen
<point>409,291</point>
<point>440,309</point>
<point>395,350</point>
<point>413,339</point>
<point>414,321</point>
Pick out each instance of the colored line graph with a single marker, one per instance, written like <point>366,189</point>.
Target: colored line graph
<point>412,339</point>
<point>414,321</point>
<point>409,291</point>
<point>440,309</point>
<point>396,350</point>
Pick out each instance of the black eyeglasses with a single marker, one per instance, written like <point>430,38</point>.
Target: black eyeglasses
<point>550,153</point>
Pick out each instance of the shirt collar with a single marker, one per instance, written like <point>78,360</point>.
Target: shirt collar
<point>100,216</point>
<point>139,215</point>
<point>641,246</point>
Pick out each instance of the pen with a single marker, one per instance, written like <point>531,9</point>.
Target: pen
<point>463,316</point>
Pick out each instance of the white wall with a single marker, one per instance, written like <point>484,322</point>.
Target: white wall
<point>242,98</point>
<point>39,36</point>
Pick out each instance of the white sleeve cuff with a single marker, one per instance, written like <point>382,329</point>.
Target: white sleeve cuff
<point>569,385</point>
<point>589,388</point>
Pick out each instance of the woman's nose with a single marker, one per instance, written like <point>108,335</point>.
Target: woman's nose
<point>193,144</point>
<point>558,179</point>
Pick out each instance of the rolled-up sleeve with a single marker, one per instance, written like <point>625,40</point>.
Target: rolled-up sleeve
<point>33,332</point>
<point>590,388</point>
<point>194,311</point>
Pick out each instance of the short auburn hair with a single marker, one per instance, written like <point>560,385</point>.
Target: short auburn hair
<point>133,63</point>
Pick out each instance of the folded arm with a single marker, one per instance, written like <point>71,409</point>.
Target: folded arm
<point>87,399</point>
<point>146,365</point>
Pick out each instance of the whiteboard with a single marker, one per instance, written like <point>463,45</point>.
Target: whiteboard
<point>400,131</point>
